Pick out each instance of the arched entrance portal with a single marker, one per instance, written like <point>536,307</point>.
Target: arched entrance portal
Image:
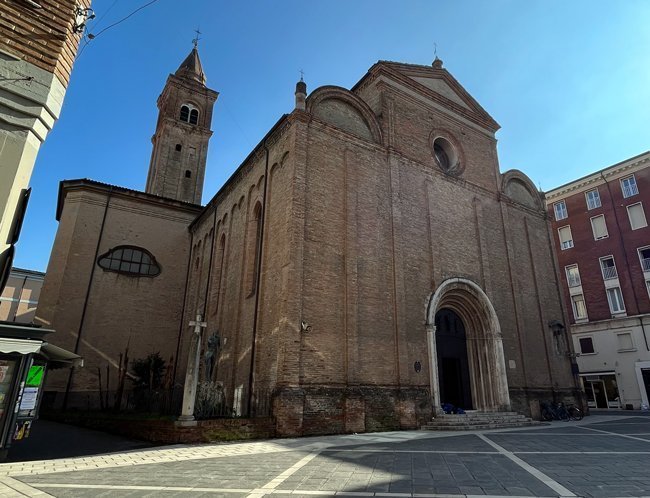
<point>486,371</point>
<point>451,355</point>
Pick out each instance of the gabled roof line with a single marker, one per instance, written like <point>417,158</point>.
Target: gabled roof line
<point>476,112</point>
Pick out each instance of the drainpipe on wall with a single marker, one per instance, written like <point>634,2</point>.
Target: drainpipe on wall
<point>85,305</point>
<point>207,283</point>
<point>627,264</point>
<point>181,325</point>
<point>20,295</point>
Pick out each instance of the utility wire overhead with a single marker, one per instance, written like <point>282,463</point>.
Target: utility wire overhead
<point>88,37</point>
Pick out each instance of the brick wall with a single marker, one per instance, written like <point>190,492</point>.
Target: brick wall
<point>225,273</point>
<point>166,432</point>
<point>622,243</point>
<point>98,313</point>
<point>357,237</point>
<point>43,36</point>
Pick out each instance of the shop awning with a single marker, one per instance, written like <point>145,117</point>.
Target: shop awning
<point>58,357</point>
<point>24,338</point>
<point>21,346</point>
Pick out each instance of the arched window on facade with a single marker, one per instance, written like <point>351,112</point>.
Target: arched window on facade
<point>219,276</point>
<point>130,260</point>
<point>197,255</point>
<point>189,114</point>
<point>185,113</point>
<point>254,248</point>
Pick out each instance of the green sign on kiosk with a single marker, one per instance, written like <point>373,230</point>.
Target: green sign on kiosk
<point>35,375</point>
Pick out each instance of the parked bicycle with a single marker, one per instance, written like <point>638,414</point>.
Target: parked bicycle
<point>560,411</point>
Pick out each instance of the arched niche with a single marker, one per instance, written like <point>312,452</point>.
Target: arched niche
<point>346,111</point>
<point>519,188</point>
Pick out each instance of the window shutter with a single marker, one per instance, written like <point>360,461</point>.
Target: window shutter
<point>599,227</point>
<point>637,216</point>
<point>625,341</point>
<point>566,238</point>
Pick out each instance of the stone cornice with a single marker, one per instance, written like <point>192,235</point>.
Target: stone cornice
<point>477,115</point>
<point>272,137</point>
<point>621,169</point>
<point>495,196</point>
<point>342,134</point>
<point>423,103</point>
<point>612,324</point>
<point>190,127</point>
<point>68,186</point>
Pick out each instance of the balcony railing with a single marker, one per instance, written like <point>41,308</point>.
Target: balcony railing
<point>574,280</point>
<point>609,272</point>
<point>645,263</point>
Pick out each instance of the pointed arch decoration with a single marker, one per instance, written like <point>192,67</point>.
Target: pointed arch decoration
<point>488,379</point>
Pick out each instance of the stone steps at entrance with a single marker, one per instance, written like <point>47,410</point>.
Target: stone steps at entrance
<point>474,420</point>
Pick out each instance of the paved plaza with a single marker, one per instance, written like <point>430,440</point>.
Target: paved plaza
<point>601,456</point>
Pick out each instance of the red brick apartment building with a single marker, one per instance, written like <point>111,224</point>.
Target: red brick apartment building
<point>602,241</point>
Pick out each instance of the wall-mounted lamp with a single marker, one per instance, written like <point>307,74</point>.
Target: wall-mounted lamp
<point>304,326</point>
<point>556,326</point>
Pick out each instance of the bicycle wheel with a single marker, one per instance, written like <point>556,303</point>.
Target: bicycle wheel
<point>575,413</point>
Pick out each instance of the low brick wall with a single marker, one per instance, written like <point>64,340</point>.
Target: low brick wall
<point>166,431</point>
<point>316,410</point>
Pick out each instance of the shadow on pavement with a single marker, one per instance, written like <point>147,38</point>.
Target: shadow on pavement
<point>49,440</point>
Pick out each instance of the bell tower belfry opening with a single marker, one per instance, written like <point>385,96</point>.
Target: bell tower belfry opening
<point>466,360</point>
<point>180,143</point>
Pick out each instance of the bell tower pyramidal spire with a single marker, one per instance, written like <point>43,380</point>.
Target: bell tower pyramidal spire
<point>180,143</point>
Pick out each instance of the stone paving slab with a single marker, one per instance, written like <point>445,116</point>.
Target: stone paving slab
<point>640,427</point>
<point>597,475</point>
<point>554,428</point>
<point>591,442</point>
<point>464,442</point>
<point>373,472</point>
<point>240,472</point>
<point>112,493</point>
<point>513,463</point>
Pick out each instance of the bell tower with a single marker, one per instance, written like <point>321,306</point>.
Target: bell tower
<point>180,143</point>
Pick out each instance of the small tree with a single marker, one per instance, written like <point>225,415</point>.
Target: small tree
<point>148,372</point>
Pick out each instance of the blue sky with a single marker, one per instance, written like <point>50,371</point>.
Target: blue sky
<point>569,82</point>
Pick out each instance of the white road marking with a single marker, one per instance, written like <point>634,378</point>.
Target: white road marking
<point>143,488</point>
<point>628,436</point>
<point>275,482</point>
<point>13,487</point>
<point>361,450</point>
<point>262,491</point>
<point>551,483</point>
<point>556,434</point>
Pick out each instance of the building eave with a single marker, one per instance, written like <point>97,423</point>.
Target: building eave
<point>235,175</point>
<point>66,185</point>
<point>589,180</point>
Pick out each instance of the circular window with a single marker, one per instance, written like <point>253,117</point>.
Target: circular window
<point>441,156</point>
<point>446,156</point>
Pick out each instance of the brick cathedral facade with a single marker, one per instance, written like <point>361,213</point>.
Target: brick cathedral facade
<point>366,262</point>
